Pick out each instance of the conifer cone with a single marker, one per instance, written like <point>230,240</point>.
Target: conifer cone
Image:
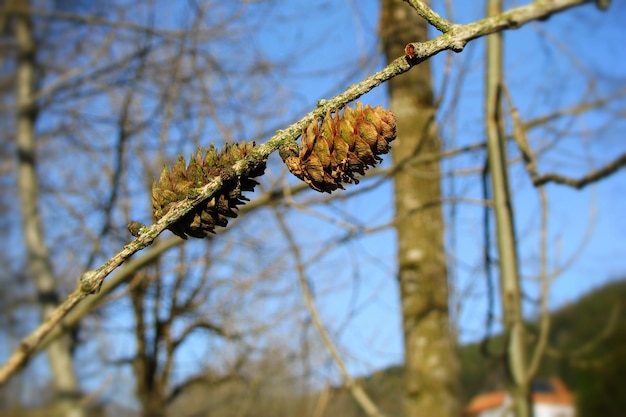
<point>180,182</point>
<point>332,151</point>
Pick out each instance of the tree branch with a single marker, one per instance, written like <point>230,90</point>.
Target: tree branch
<point>90,20</point>
<point>360,396</point>
<point>530,161</point>
<point>591,177</point>
<point>520,137</point>
<point>131,266</point>
<point>592,344</point>
<point>455,39</point>
<point>431,16</point>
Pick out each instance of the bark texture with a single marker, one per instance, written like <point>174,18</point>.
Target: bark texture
<point>64,379</point>
<point>431,364</point>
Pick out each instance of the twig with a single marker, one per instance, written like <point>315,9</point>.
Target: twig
<point>520,137</point>
<point>355,388</point>
<point>590,178</point>
<point>592,344</point>
<point>455,39</point>
<point>431,16</point>
<point>91,20</point>
<point>131,266</point>
<point>545,320</point>
<point>322,401</point>
<point>575,109</point>
<point>487,265</point>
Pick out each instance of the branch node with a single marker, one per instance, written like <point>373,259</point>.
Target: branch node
<point>88,283</point>
<point>413,56</point>
<point>431,16</point>
<point>288,150</point>
<point>458,45</point>
<point>136,228</point>
<point>322,102</point>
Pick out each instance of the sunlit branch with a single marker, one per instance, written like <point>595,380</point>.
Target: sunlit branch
<point>130,267</point>
<point>322,401</point>
<point>431,16</point>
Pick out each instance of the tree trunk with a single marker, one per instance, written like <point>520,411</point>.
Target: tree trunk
<point>38,258</point>
<point>431,363</point>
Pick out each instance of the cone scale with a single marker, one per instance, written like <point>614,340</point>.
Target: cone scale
<point>179,182</point>
<point>339,146</point>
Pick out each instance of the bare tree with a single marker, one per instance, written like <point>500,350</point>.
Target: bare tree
<point>39,257</point>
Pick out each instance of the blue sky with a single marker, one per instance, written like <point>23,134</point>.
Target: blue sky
<point>550,65</point>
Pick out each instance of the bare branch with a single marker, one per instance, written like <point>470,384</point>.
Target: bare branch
<point>459,35</point>
<point>520,137</point>
<point>130,267</point>
<point>355,388</point>
<point>545,320</point>
<point>575,110</point>
<point>202,324</point>
<point>91,20</point>
<point>513,322</point>
<point>593,343</point>
<point>431,16</point>
<point>591,177</point>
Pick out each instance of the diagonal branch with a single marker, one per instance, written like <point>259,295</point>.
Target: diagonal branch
<point>355,388</point>
<point>591,177</point>
<point>131,266</point>
<point>520,137</point>
<point>530,161</point>
<point>431,16</point>
<point>455,39</point>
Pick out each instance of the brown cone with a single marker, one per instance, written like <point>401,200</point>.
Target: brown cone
<point>180,182</point>
<point>333,150</point>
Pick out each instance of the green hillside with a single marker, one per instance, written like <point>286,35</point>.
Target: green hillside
<point>587,351</point>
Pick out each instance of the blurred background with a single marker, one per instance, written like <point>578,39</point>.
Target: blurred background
<point>97,96</point>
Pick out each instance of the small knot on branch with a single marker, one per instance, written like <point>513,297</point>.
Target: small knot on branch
<point>135,228</point>
<point>411,54</point>
<point>458,46</point>
<point>88,283</point>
